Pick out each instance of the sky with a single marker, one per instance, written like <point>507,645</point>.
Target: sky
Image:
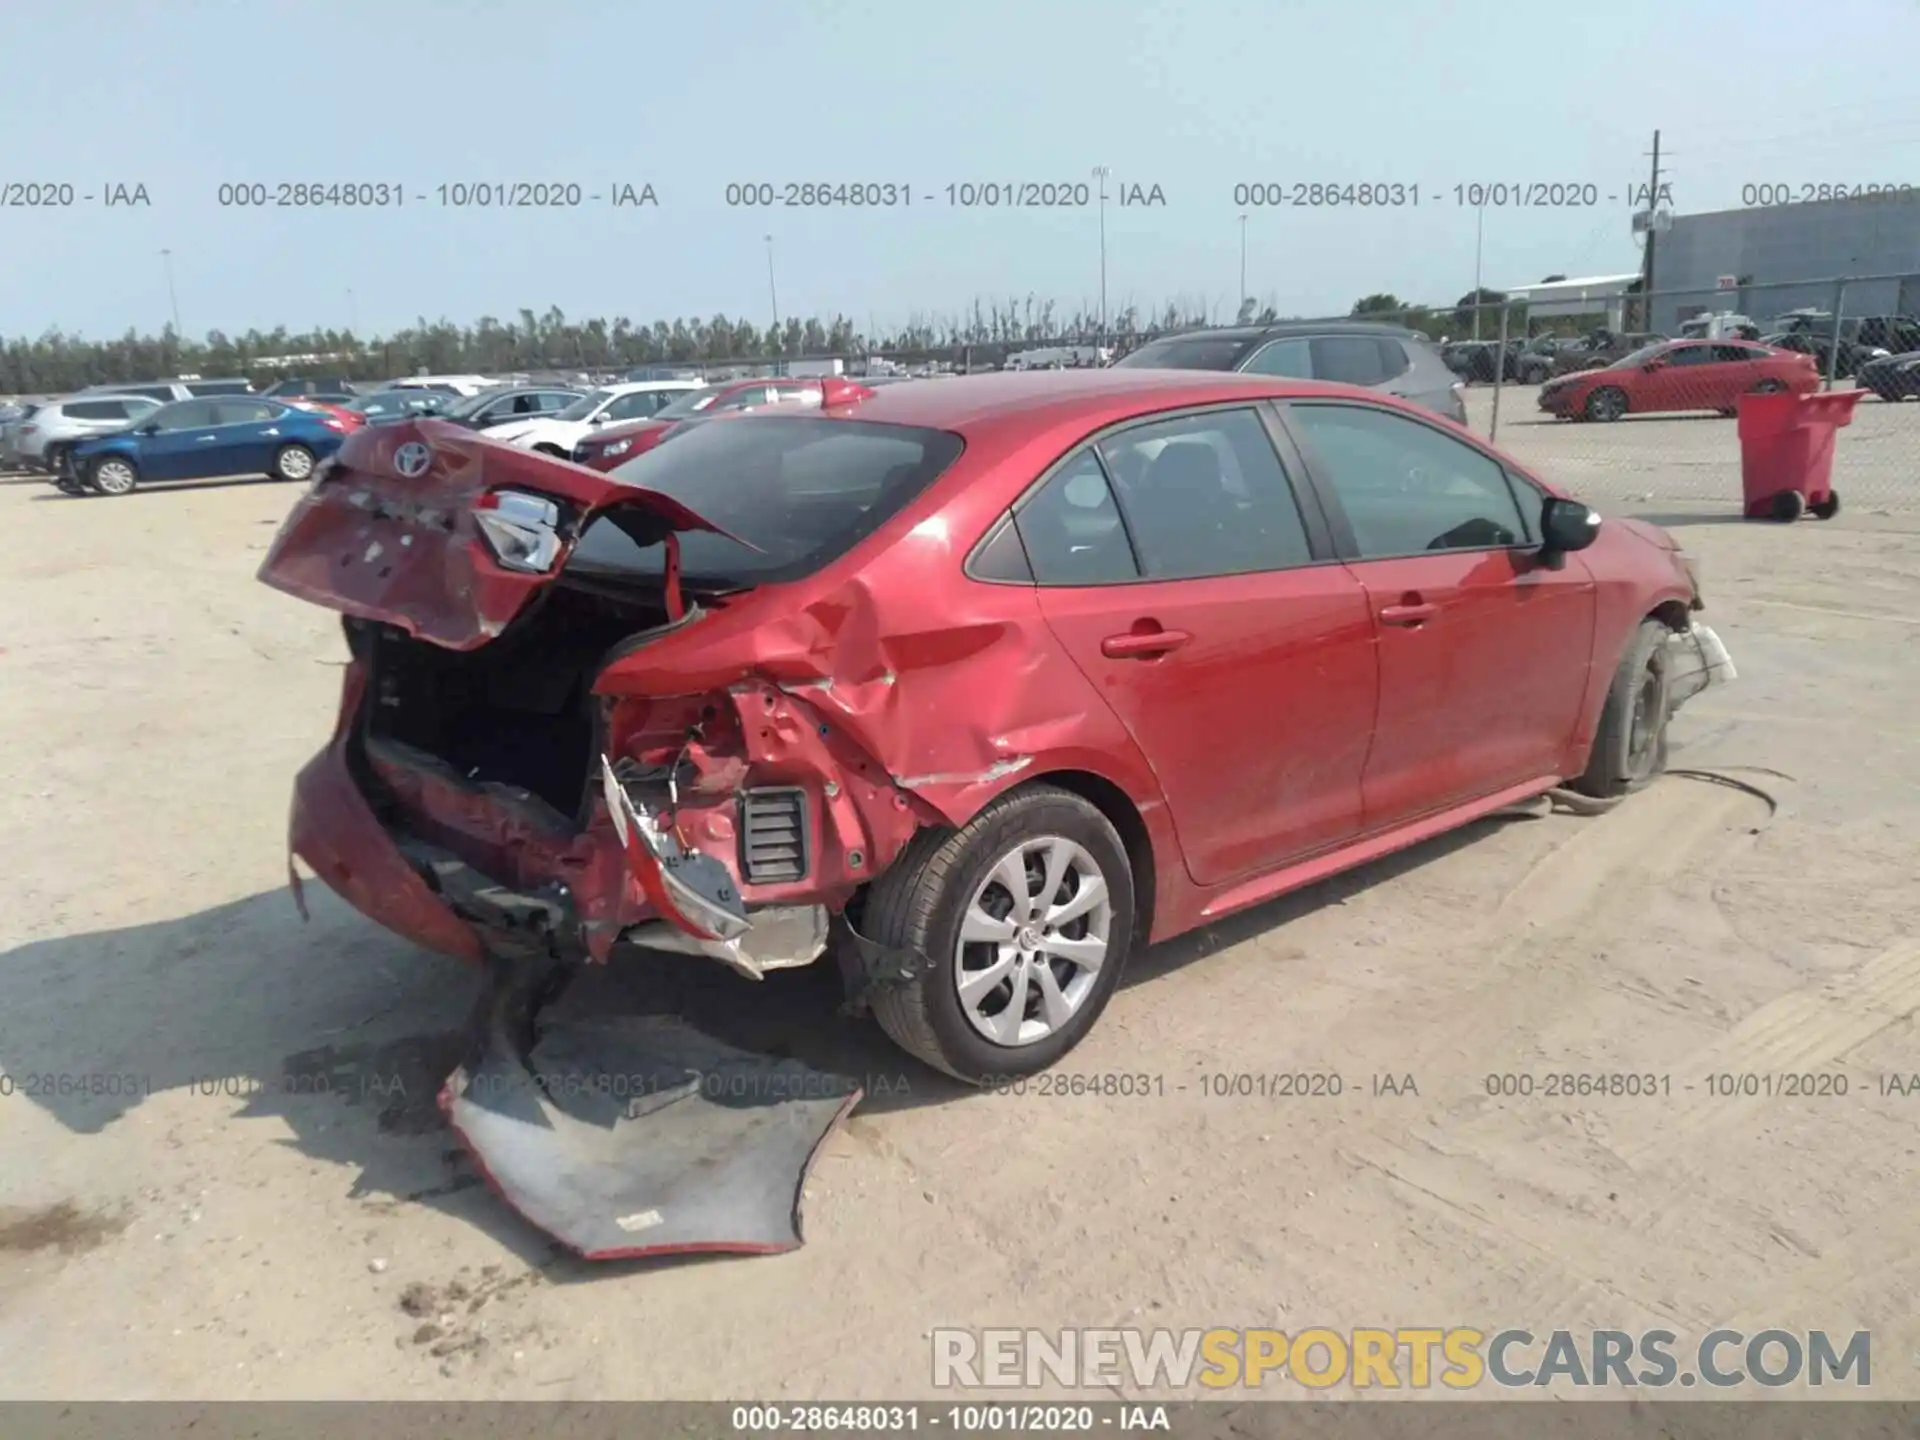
<point>1194,98</point>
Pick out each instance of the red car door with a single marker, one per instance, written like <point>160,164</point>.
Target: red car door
<point>1687,379</point>
<point>1239,658</point>
<point>1484,652</point>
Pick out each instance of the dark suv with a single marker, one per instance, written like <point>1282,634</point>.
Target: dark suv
<point>1401,362</point>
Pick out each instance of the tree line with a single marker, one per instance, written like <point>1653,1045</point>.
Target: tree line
<point>57,362</point>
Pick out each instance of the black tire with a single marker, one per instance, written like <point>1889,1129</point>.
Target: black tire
<point>293,463</point>
<point>1787,506</point>
<point>1627,755</point>
<point>112,475</point>
<point>1768,387</point>
<point>1826,509</point>
<point>1609,402</point>
<point>918,906</point>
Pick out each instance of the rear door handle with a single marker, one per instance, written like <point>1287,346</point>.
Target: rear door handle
<point>1408,614</point>
<point>1143,647</point>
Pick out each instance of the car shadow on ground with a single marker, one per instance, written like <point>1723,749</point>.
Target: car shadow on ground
<point>344,1034</point>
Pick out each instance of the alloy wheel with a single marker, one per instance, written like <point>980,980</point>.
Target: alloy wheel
<point>113,477</point>
<point>1032,941</point>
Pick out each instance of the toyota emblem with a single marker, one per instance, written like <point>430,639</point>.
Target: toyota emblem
<point>412,460</point>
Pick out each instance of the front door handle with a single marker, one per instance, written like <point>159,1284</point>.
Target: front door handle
<point>1410,615</point>
<point>208,439</point>
<point>1143,646</point>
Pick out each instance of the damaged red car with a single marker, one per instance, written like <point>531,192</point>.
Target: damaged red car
<point>973,689</point>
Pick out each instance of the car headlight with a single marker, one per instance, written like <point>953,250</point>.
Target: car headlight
<point>618,447</point>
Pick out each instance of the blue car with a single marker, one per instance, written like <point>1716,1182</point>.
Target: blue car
<point>204,440</point>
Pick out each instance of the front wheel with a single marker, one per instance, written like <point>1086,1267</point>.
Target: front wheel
<point>293,462</point>
<point>1768,387</point>
<point>1826,509</point>
<point>1630,745</point>
<point>1024,918</point>
<point>1788,505</point>
<point>113,475</point>
<point>1606,403</point>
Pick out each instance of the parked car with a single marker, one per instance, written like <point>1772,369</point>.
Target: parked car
<point>508,403</point>
<point>1892,377</point>
<point>383,407</point>
<point>613,445</point>
<point>1896,334</point>
<point>44,437</point>
<point>338,406</point>
<point>301,387</point>
<point>205,439</point>
<point>17,415</point>
<point>558,433</point>
<point>1262,630</point>
<point>1821,349</point>
<point>1678,375</point>
<point>462,385</point>
<point>1388,358</point>
<point>164,391</point>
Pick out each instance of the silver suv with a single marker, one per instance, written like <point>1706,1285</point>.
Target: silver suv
<point>1390,358</point>
<point>53,428</point>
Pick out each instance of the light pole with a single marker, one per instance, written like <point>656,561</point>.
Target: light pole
<point>166,257</point>
<point>773,296</point>
<point>1243,264</point>
<point>1100,173</point>
<point>1479,230</point>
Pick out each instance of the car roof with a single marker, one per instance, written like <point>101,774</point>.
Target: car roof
<point>1283,328</point>
<point>627,387</point>
<point>1043,397</point>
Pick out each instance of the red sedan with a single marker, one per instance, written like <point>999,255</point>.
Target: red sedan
<point>1006,677</point>
<point>1679,375</point>
<point>617,444</point>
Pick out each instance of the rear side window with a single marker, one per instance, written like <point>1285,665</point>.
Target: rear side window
<point>243,412</point>
<point>95,410</point>
<point>218,387</point>
<point>1292,359</point>
<point>1072,530</point>
<point>1206,495</point>
<point>803,490</point>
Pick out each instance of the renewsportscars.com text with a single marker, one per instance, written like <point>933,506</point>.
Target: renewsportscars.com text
<point>1456,1358</point>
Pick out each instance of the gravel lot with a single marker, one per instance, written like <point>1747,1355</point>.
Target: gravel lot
<point>220,1233</point>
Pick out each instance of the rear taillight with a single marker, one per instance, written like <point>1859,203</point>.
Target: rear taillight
<point>522,530</point>
<point>333,422</point>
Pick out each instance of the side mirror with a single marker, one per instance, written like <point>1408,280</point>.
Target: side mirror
<point>150,428</point>
<point>599,419</point>
<point>1565,526</point>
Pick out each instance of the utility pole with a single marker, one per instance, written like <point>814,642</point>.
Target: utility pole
<point>173,299</point>
<point>773,297</point>
<point>1479,233</point>
<point>1653,204</point>
<point>1243,265</point>
<point>1100,173</point>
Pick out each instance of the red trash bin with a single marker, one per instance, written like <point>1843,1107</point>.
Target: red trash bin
<point>1786,452</point>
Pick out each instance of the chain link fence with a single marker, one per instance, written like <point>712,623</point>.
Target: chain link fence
<point>1593,390</point>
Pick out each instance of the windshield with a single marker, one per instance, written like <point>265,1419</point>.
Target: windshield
<point>585,405</point>
<point>1638,357</point>
<point>803,489</point>
<point>1201,352</point>
<point>691,403</point>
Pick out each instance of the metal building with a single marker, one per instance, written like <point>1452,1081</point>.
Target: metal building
<point>1742,260</point>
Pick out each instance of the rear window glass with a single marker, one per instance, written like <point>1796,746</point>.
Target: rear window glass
<point>802,489</point>
<point>1216,352</point>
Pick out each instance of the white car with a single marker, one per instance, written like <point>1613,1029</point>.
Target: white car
<point>461,385</point>
<point>610,405</point>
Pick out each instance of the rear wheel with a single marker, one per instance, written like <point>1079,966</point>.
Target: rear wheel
<point>1024,917</point>
<point>1828,508</point>
<point>1768,387</point>
<point>1607,403</point>
<point>1787,505</point>
<point>1630,745</point>
<point>113,475</point>
<point>293,462</point>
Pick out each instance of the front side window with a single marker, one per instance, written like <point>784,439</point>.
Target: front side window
<point>1407,488</point>
<point>1292,359</point>
<point>639,405</point>
<point>184,415</point>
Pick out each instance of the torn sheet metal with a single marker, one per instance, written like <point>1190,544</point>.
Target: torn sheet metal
<point>783,937</point>
<point>632,1136</point>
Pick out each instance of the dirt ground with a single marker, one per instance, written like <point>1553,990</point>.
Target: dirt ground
<point>203,1228</point>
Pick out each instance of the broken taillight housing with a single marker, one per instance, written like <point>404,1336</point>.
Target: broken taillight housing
<point>522,530</point>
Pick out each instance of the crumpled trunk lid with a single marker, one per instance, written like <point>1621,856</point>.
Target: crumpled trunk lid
<point>391,529</point>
